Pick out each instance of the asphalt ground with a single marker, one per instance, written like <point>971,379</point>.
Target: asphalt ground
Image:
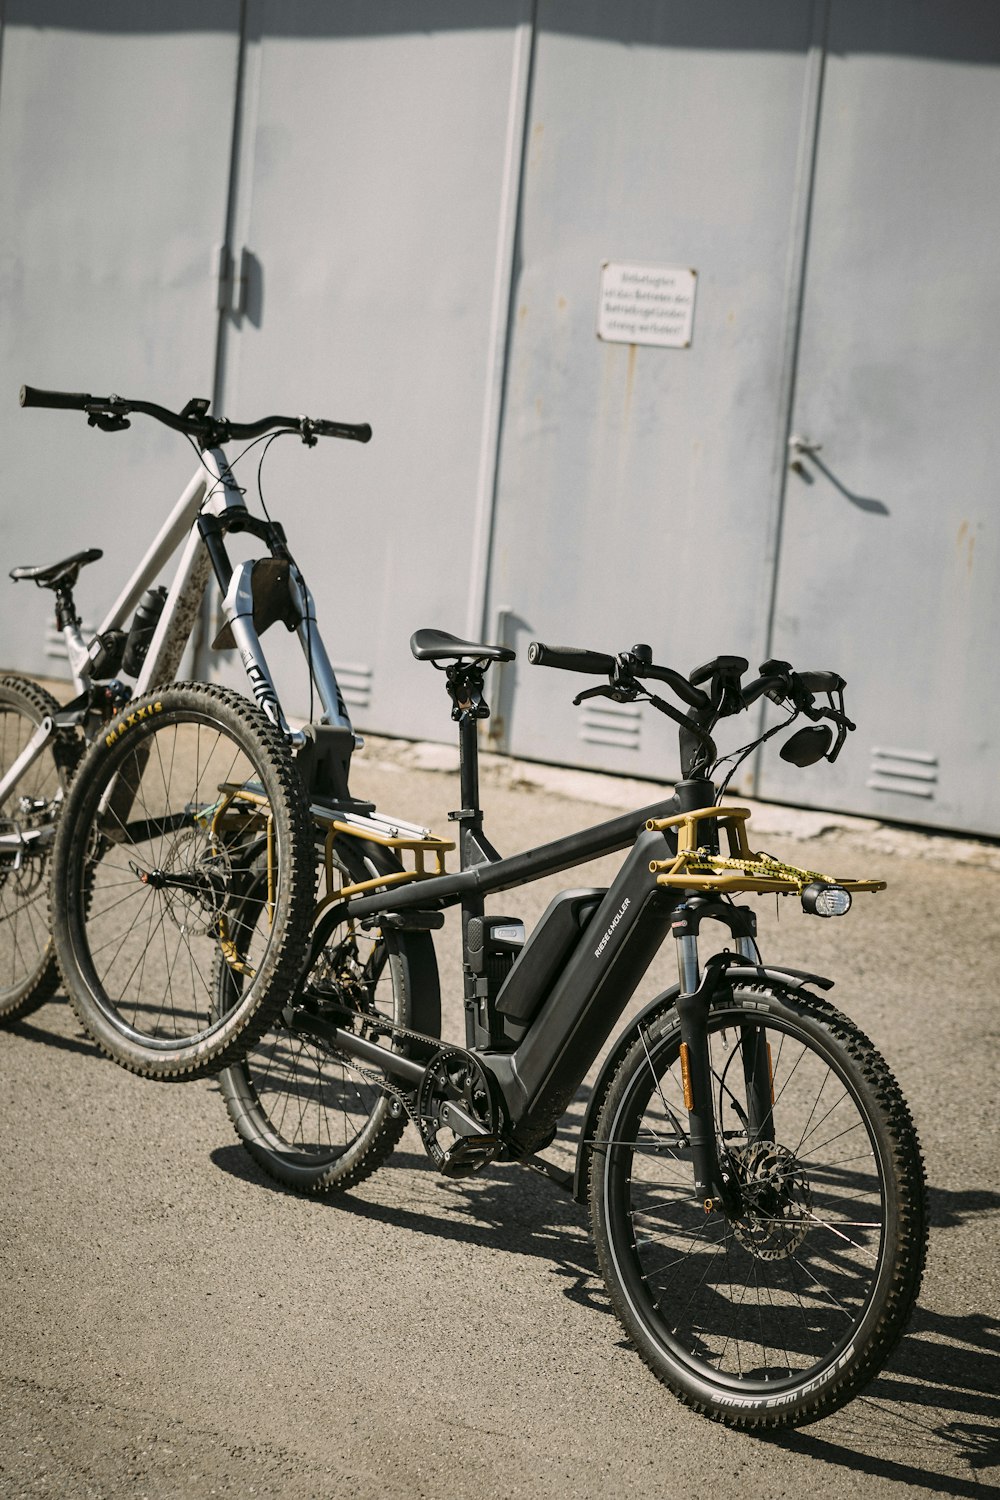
<point>173,1324</point>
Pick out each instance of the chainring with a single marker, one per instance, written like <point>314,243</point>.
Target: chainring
<point>454,1075</point>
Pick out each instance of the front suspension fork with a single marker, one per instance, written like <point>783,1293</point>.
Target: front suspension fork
<point>714,1181</point>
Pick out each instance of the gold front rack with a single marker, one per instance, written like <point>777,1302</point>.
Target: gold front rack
<point>696,868</point>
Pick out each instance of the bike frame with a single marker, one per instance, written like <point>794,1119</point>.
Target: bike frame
<point>539,1074</point>
<point>210,506</point>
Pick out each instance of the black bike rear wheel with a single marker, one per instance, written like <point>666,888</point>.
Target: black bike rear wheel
<point>188,798</point>
<point>313,1118</point>
<point>29,974</point>
<point>777,1314</point>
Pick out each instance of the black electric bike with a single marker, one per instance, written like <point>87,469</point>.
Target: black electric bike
<point>755,1183</point>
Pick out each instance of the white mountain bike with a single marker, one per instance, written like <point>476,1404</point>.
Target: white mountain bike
<point>183,793</point>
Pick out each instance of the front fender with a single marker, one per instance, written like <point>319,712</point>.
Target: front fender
<point>793,979</point>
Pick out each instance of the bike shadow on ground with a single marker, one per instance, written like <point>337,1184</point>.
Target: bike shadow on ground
<point>935,1405</point>
<point>31,1030</point>
<point>511,1209</point>
<point>938,1398</point>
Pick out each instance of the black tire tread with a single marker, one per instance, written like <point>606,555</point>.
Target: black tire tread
<point>300,886</point>
<point>68,749</point>
<point>912,1236</point>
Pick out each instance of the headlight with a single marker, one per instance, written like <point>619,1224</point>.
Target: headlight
<point>826,900</point>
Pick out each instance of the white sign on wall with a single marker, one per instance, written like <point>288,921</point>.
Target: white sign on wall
<point>646,305</point>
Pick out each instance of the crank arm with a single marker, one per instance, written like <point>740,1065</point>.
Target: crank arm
<point>460,1121</point>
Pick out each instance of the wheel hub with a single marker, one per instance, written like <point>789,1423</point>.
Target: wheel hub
<point>337,984</point>
<point>776,1202</point>
<point>195,878</point>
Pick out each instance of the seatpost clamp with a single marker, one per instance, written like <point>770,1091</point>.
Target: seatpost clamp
<point>465,688</point>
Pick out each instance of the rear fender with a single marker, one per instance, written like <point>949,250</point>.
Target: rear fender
<point>425,987</point>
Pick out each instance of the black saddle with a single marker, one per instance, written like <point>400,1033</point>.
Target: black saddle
<point>438,645</point>
<point>58,575</point>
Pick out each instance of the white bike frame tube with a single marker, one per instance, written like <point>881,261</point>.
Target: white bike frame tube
<point>79,655</point>
<point>212,488</point>
<point>27,757</point>
<point>180,520</point>
<point>335,709</point>
<point>180,611</point>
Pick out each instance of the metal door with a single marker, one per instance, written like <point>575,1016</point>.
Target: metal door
<point>637,484</point>
<point>374,221</point>
<point>115,131</point>
<point>891,541</point>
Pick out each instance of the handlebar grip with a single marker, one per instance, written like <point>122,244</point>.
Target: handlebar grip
<point>64,400</point>
<point>571,659</point>
<point>356,432</point>
<point>822,682</point>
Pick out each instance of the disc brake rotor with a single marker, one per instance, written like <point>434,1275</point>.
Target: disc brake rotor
<point>776,1210</point>
<point>198,879</point>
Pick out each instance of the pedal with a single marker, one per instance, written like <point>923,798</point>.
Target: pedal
<point>469,1154</point>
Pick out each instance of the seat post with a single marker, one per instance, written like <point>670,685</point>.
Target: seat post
<point>66,606</point>
<point>465,669</point>
<point>468,760</point>
<point>465,688</point>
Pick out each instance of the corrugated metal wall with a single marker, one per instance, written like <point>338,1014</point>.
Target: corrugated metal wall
<point>417,202</point>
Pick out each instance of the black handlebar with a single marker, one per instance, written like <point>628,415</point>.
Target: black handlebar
<point>64,400</point>
<point>355,432</point>
<point>570,659</point>
<point>632,664</point>
<point>726,695</point>
<point>822,682</point>
<point>111,412</point>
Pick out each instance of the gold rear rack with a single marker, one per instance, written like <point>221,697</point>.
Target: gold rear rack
<point>391,834</point>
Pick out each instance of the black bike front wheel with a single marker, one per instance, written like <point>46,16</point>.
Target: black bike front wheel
<point>314,1118</point>
<point>189,798</point>
<point>778,1312</point>
<point>29,974</point>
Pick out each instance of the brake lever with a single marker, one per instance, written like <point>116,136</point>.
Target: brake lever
<point>842,725</point>
<point>605,690</point>
<point>108,421</point>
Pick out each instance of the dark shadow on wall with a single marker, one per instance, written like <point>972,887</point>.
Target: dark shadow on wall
<point>957,31</point>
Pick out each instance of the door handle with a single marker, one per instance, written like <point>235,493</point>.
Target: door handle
<point>801,447</point>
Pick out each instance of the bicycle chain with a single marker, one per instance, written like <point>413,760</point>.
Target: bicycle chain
<point>380,1023</point>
